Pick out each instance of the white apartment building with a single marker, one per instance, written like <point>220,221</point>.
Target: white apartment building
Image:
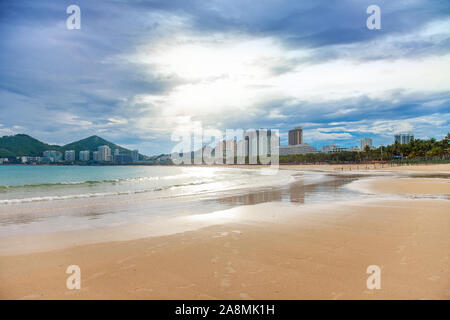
<point>365,142</point>
<point>84,155</point>
<point>297,149</point>
<point>69,155</point>
<point>135,155</point>
<point>104,153</point>
<point>404,138</point>
<point>52,156</point>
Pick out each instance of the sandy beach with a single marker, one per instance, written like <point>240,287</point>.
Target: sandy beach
<point>424,168</point>
<point>270,250</point>
<point>410,186</point>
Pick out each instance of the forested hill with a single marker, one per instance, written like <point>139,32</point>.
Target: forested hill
<point>24,145</point>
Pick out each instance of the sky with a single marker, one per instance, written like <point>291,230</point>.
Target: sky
<point>139,71</point>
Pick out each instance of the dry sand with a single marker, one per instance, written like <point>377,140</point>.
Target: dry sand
<point>410,186</point>
<point>269,251</point>
<point>425,168</point>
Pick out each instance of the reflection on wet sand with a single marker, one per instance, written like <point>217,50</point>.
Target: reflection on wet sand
<point>20,218</point>
<point>296,192</point>
<point>253,197</point>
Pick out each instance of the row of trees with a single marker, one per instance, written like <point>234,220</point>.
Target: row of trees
<point>415,149</point>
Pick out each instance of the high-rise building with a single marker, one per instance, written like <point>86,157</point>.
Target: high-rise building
<point>404,138</point>
<point>122,158</point>
<point>296,136</point>
<point>332,148</point>
<point>69,155</point>
<point>135,155</point>
<point>365,142</point>
<point>297,149</point>
<point>95,156</point>
<point>25,159</point>
<point>104,153</point>
<point>116,152</point>
<point>252,138</point>
<point>230,147</point>
<point>52,156</point>
<point>84,155</point>
<point>295,144</point>
<point>227,148</point>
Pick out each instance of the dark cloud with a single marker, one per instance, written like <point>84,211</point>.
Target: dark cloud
<point>53,80</point>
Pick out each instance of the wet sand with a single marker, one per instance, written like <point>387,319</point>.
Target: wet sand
<point>264,251</point>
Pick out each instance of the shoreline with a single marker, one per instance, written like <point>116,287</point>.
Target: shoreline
<point>162,227</point>
<point>346,166</point>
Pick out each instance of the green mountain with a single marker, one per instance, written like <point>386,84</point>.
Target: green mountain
<point>92,143</point>
<point>24,145</point>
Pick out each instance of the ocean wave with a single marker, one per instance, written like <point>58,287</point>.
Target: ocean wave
<point>98,194</point>
<point>89,182</point>
<point>51,191</point>
<point>56,184</point>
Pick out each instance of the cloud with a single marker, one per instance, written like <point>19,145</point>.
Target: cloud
<point>138,70</point>
<point>390,127</point>
<point>320,135</point>
<point>4,131</point>
<point>423,127</point>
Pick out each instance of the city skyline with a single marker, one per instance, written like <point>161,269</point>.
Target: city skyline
<point>102,154</point>
<point>137,72</point>
<point>296,145</point>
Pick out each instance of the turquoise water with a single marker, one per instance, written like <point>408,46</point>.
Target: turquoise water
<point>37,175</point>
<point>20,184</point>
